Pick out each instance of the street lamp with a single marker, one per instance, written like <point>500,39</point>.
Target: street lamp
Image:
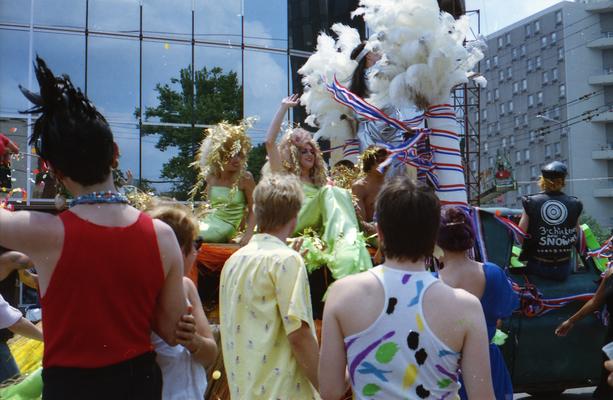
<point>546,118</point>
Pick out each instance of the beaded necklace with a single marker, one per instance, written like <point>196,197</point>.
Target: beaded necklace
<point>100,197</point>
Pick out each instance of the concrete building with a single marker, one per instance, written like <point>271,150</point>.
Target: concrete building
<point>550,87</point>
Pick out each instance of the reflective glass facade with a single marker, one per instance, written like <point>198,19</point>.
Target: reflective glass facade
<point>159,70</point>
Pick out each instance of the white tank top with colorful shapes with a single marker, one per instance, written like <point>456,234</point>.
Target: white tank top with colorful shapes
<point>398,356</point>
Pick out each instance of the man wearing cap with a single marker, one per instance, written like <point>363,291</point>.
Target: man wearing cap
<point>551,219</point>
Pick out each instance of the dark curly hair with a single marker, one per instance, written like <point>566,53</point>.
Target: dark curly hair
<point>358,83</point>
<point>456,231</point>
<point>70,134</point>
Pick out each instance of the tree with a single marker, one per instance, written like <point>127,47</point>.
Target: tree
<point>211,97</point>
<point>256,160</point>
<point>598,231</point>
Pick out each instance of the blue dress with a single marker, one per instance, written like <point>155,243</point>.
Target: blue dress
<point>498,301</point>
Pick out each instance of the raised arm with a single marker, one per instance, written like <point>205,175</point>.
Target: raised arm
<point>247,187</point>
<point>171,303</point>
<point>274,157</point>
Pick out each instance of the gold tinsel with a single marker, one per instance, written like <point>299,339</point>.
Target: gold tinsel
<point>344,177</point>
<point>139,199</point>
<point>221,142</point>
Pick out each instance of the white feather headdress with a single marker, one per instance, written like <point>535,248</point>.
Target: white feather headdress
<point>331,58</point>
<point>424,55</point>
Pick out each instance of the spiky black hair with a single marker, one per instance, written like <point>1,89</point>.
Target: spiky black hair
<point>70,134</point>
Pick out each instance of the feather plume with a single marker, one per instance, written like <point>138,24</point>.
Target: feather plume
<point>424,55</point>
<point>331,58</point>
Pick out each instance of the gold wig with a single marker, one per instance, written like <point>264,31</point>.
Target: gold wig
<point>292,142</point>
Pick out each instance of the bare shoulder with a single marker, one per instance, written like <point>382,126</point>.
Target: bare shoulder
<point>352,288</point>
<point>22,229</point>
<point>247,180</point>
<point>454,298</point>
<point>358,186</point>
<point>189,287</point>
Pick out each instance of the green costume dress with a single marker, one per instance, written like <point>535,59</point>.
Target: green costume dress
<point>227,211</point>
<point>329,212</point>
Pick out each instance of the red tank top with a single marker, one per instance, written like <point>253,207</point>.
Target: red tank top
<point>98,308</point>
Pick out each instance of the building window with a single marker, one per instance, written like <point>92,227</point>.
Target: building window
<point>496,94</point>
<point>556,112</point>
<point>562,90</point>
<point>554,38</point>
<point>490,129</point>
<point>529,64</point>
<point>510,106</point>
<point>538,62</point>
<point>490,162</point>
<point>514,53</point>
<point>559,17</point>
<point>527,155</point>
<point>509,73</point>
<point>522,50</point>
<point>560,53</point>
<point>532,137</point>
<point>501,107</point>
<point>477,116</point>
<point>487,64</point>
<point>520,190</point>
<point>500,42</point>
<point>515,87</point>
<point>512,140</point>
<point>533,171</point>
<point>530,100</point>
<point>495,61</point>
<point>518,156</point>
<point>484,112</point>
<point>517,121</point>
<point>528,29</point>
<point>504,142</point>
<point>501,75</point>
<point>554,74</point>
<point>525,119</point>
<point>543,42</point>
<point>485,147</point>
<point>508,39</point>
<point>524,85</point>
<point>473,165</point>
<point>488,96</point>
<point>537,26</point>
<point>557,148</point>
<point>497,127</point>
<point>547,150</point>
<point>539,98</point>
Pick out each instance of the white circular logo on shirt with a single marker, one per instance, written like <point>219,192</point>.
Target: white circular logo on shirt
<point>554,212</point>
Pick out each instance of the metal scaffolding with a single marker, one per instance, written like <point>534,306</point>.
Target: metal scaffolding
<point>466,99</point>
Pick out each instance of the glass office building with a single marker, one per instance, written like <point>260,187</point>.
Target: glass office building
<point>160,71</point>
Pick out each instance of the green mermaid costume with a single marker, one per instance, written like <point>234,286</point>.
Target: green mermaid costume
<point>329,212</point>
<point>227,210</point>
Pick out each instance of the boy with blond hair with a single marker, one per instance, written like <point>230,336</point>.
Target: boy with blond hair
<point>267,330</point>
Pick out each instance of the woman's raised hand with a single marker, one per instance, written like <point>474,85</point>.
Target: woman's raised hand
<point>291,101</point>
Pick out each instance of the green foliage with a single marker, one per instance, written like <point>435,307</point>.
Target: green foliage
<point>598,231</point>
<point>213,96</point>
<point>256,160</point>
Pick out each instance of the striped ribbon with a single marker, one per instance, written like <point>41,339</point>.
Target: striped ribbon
<point>605,251</point>
<point>534,305</point>
<point>345,97</point>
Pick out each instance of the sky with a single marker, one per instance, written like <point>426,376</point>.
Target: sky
<point>496,14</point>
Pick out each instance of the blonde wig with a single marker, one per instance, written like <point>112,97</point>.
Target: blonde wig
<point>291,144</point>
